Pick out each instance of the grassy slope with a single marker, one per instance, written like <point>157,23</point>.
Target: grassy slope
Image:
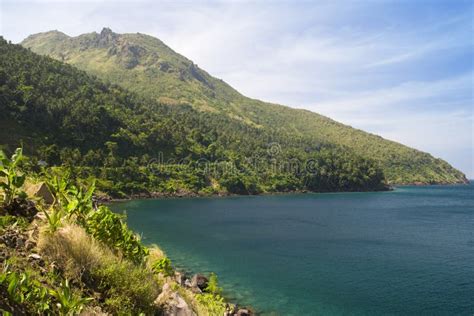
<point>146,65</point>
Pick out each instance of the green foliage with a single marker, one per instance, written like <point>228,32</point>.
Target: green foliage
<point>163,266</point>
<point>11,180</point>
<point>22,289</point>
<point>127,289</point>
<point>214,304</point>
<point>54,216</point>
<point>13,221</point>
<point>109,228</point>
<point>69,303</point>
<point>213,285</point>
<point>112,135</point>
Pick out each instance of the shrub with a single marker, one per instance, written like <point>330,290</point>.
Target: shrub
<point>213,304</point>
<point>72,199</point>
<point>213,285</point>
<point>128,289</point>
<point>109,228</point>
<point>163,266</point>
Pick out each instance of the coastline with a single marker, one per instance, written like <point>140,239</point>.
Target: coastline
<point>104,198</point>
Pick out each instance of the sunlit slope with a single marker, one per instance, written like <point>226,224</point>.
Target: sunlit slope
<point>145,65</point>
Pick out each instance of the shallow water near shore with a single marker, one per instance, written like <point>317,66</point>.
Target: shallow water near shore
<point>408,251</point>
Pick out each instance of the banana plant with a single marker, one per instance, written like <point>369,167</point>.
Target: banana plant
<point>11,180</point>
<point>54,217</point>
<point>68,302</point>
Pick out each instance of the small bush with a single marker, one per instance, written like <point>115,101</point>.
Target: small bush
<point>109,228</point>
<point>128,289</point>
<point>212,304</point>
<point>54,217</point>
<point>213,285</point>
<point>163,266</point>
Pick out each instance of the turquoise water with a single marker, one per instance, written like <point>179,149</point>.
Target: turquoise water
<point>410,251</point>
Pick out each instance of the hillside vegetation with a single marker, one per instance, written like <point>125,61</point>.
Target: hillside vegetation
<point>61,254</point>
<point>136,145</point>
<point>147,66</point>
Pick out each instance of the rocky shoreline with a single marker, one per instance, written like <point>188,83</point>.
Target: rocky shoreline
<point>107,199</point>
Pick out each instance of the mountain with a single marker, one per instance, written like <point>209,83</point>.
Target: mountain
<point>135,145</point>
<point>147,66</point>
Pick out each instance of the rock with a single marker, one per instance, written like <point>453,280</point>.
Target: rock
<point>243,312</point>
<point>187,283</point>
<point>40,190</point>
<point>12,238</point>
<point>35,256</point>
<point>199,281</point>
<point>180,278</point>
<point>21,207</point>
<point>106,38</point>
<point>179,307</point>
<point>172,303</point>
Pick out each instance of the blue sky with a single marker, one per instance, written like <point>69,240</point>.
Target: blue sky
<point>400,69</point>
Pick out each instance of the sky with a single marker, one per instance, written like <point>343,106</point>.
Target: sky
<point>399,69</point>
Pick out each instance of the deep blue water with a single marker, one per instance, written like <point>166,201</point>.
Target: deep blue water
<point>410,251</point>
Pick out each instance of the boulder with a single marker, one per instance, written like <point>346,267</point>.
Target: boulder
<point>243,312</point>
<point>40,190</point>
<point>172,303</point>
<point>199,281</point>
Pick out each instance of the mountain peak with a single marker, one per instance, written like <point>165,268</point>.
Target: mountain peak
<point>106,31</point>
<point>106,37</point>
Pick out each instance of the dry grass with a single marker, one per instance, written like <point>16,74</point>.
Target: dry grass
<point>73,250</point>
<point>124,286</point>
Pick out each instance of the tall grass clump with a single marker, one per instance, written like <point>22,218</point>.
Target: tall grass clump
<point>125,286</point>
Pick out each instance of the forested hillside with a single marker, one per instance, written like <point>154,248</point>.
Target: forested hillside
<point>133,144</point>
<point>145,65</point>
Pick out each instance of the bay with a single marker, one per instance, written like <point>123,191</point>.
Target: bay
<point>409,251</point>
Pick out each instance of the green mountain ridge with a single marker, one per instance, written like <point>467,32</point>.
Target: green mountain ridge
<point>145,65</point>
<point>134,145</point>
